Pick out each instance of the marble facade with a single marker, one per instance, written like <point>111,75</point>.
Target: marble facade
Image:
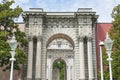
<point>67,36</point>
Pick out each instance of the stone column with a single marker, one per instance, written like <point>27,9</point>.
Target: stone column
<point>48,71</point>
<point>68,72</point>
<point>30,58</point>
<point>68,69</point>
<point>82,65</point>
<point>72,69</point>
<point>90,61</point>
<point>71,64</point>
<point>38,59</point>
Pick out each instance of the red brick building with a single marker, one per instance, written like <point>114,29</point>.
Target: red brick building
<point>101,30</point>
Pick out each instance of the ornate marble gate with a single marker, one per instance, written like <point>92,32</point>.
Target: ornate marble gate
<point>67,36</point>
<point>67,56</point>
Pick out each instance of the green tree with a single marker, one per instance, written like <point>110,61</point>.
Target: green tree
<point>115,35</point>
<point>7,28</point>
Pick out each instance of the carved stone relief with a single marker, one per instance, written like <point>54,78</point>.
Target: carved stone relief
<point>60,53</point>
<point>60,23</point>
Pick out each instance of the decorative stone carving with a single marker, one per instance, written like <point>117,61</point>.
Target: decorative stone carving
<point>60,53</point>
<point>65,23</point>
<point>49,56</point>
<point>30,38</point>
<point>81,39</point>
<point>70,56</point>
<point>69,23</point>
<point>39,38</point>
<point>89,38</point>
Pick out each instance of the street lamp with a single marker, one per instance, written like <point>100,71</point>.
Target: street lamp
<point>13,44</point>
<point>108,45</point>
<point>101,64</point>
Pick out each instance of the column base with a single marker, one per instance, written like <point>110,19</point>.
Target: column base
<point>88,79</point>
<point>28,79</point>
<point>38,79</point>
<point>82,79</point>
<point>93,79</point>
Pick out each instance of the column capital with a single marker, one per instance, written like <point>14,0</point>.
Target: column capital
<point>80,38</point>
<point>89,38</point>
<point>39,38</point>
<point>30,38</point>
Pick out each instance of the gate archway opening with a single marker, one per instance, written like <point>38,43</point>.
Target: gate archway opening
<point>60,54</point>
<point>59,70</point>
<point>58,38</point>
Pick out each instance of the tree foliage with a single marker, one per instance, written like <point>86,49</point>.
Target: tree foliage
<point>7,28</point>
<point>115,35</point>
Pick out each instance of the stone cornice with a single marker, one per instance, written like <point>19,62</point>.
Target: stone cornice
<point>87,15</point>
<point>59,14</point>
<point>32,13</point>
<point>27,14</point>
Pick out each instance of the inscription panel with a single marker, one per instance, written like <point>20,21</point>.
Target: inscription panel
<point>60,54</point>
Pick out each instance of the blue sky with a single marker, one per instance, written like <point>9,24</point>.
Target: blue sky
<point>103,8</point>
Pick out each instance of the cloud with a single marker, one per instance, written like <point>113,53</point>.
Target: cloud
<point>25,4</point>
<point>22,1</point>
<point>0,1</point>
<point>102,7</point>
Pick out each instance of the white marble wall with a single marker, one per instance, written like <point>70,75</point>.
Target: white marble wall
<point>74,29</point>
<point>68,58</point>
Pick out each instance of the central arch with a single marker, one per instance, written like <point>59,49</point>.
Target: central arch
<point>60,35</point>
<point>60,52</point>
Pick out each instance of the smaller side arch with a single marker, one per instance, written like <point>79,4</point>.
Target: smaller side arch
<point>56,59</point>
<point>59,65</point>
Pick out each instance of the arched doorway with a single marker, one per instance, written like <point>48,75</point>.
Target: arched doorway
<point>60,55</point>
<point>59,70</point>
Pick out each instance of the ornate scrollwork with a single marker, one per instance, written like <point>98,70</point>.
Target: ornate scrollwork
<point>80,38</point>
<point>49,56</point>
<point>58,54</point>
<point>39,38</point>
<point>30,38</point>
<point>70,56</point>
<point>89,38</point>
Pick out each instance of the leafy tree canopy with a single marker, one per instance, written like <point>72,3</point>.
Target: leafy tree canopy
<point>7,28</point>
<point>115,35</point>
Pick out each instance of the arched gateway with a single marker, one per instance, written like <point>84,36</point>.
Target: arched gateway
<point>60,38</point>
<point>60,48</point>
